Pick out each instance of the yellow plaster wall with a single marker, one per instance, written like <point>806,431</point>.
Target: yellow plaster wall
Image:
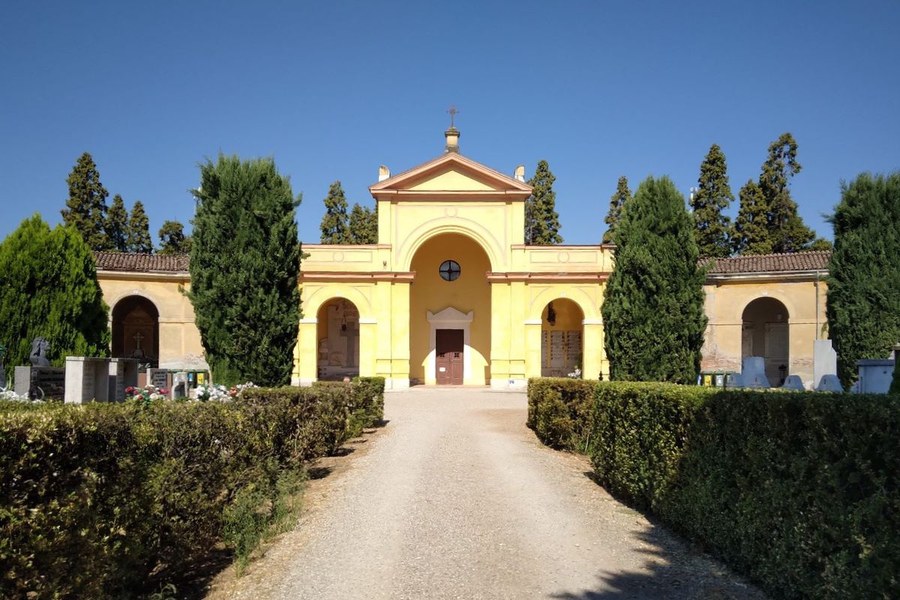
<point>179,338</point>
<point>452,181</point>
<point>725,303</point>
<point>417,223</point>
<point>588,297</point>
<point>471,292</point>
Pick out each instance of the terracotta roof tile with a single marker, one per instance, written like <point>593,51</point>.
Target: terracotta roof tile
<point>770,263</point>
<point>141,263</point>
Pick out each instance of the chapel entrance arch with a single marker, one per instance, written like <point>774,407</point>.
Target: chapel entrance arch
<point>562,338</point>
<point>135,330</point>
<point>450,312</point>
<point>765,332</point>
<point>337,335</point>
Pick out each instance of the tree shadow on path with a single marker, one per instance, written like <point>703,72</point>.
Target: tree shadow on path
<point>672,569</point>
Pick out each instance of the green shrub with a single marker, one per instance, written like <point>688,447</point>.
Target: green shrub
<point>101,500</point>
<point>639,431</point>
<point>559,412</point>
<point>800,490</point>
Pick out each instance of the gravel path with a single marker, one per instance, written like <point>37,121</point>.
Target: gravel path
<point>455,498</point>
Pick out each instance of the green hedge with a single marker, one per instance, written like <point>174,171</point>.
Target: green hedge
<point>103,500</point>
<point>799,490</point>
<point>559,412</point>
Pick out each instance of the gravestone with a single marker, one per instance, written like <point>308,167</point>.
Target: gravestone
<point>179,385</point>
<point>2,368</point>
<point>824,360</point>
<point>123,373</point>
<point>753,372</point>
<point>830,383</point>
<point>793,382</point>
<point>87,379</point>
<point>40,383</point>
<point>158,378</point>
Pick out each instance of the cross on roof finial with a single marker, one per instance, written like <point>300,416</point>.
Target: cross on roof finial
<point>453,112</point>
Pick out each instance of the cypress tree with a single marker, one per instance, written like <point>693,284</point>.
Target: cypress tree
<point>245,261</point>
<point>653,302</point>
<point>139,230</point>
<point>541,219</point>
<point>616,205</point>
<point>863,305</point>
<point>334,224</point>
<point>713,195</point>
<point>751,228</point>
<point>49,289</point>
<point>86,206</point>
<point>787,231</point>
<point>172,239</point>
<point>363,225</point>
<point>117,225</point>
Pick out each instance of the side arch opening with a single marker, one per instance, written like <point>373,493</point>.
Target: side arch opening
<point>562,338</point>
<point>135,330</point>
<point>337,335</point>
<point>765,332</point>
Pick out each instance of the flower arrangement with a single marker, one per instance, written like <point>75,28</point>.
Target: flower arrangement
<point>11,395</point>
<point>145,394</point>
<point>220,393</point>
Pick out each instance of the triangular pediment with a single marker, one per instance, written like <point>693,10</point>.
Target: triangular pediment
<point>451,174</point>
<point>450,315</point>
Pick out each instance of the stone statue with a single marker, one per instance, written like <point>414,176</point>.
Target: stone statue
<point>38,354</point>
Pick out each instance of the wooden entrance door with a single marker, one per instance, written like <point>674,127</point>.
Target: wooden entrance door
<point>449,362</point>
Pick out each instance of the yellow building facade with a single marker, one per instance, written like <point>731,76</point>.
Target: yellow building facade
<point>150,316</point>
<point>451,295</point>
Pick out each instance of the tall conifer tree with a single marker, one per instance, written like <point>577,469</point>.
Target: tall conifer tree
<point>616,205</point>
<point>172,239</point>
<point>713,196</point>
<point>751,228</point>
<point>787,231</point>
<point>86,206</point>
<point>49,289</point>
<point>363,225</point>
<point>653,302</point>
<point>863,308</point>
<point>139,230</point>
<point>335,223</point>
<point>541,219</point>
<point>245,261</point>
<point>117,225</point>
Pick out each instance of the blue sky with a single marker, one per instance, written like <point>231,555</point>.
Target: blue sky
<point>332,90</point>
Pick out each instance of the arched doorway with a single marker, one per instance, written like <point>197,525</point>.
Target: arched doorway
<point>765,332</point>
<point>135,330</point>
<point>338,340</point>
<point>450,312</point>
<point>562,335</point>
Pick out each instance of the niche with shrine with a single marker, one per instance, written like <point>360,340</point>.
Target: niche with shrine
<point>135,330</point>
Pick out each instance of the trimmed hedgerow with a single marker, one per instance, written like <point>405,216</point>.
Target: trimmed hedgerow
<point>559,412</point>
<point>365,400</point>
<point>104,500</point>
<point>800,491</point>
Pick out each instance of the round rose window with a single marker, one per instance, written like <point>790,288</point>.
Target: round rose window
<point>450,270</point>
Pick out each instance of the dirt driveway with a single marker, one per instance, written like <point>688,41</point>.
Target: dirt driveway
<point>455,498</point>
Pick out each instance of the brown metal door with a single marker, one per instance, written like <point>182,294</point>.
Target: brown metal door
<point>449,361</point>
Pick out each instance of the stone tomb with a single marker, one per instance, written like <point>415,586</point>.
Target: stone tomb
<point>123,373</point>
<point>98,379</point>
<point>40,383</point>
